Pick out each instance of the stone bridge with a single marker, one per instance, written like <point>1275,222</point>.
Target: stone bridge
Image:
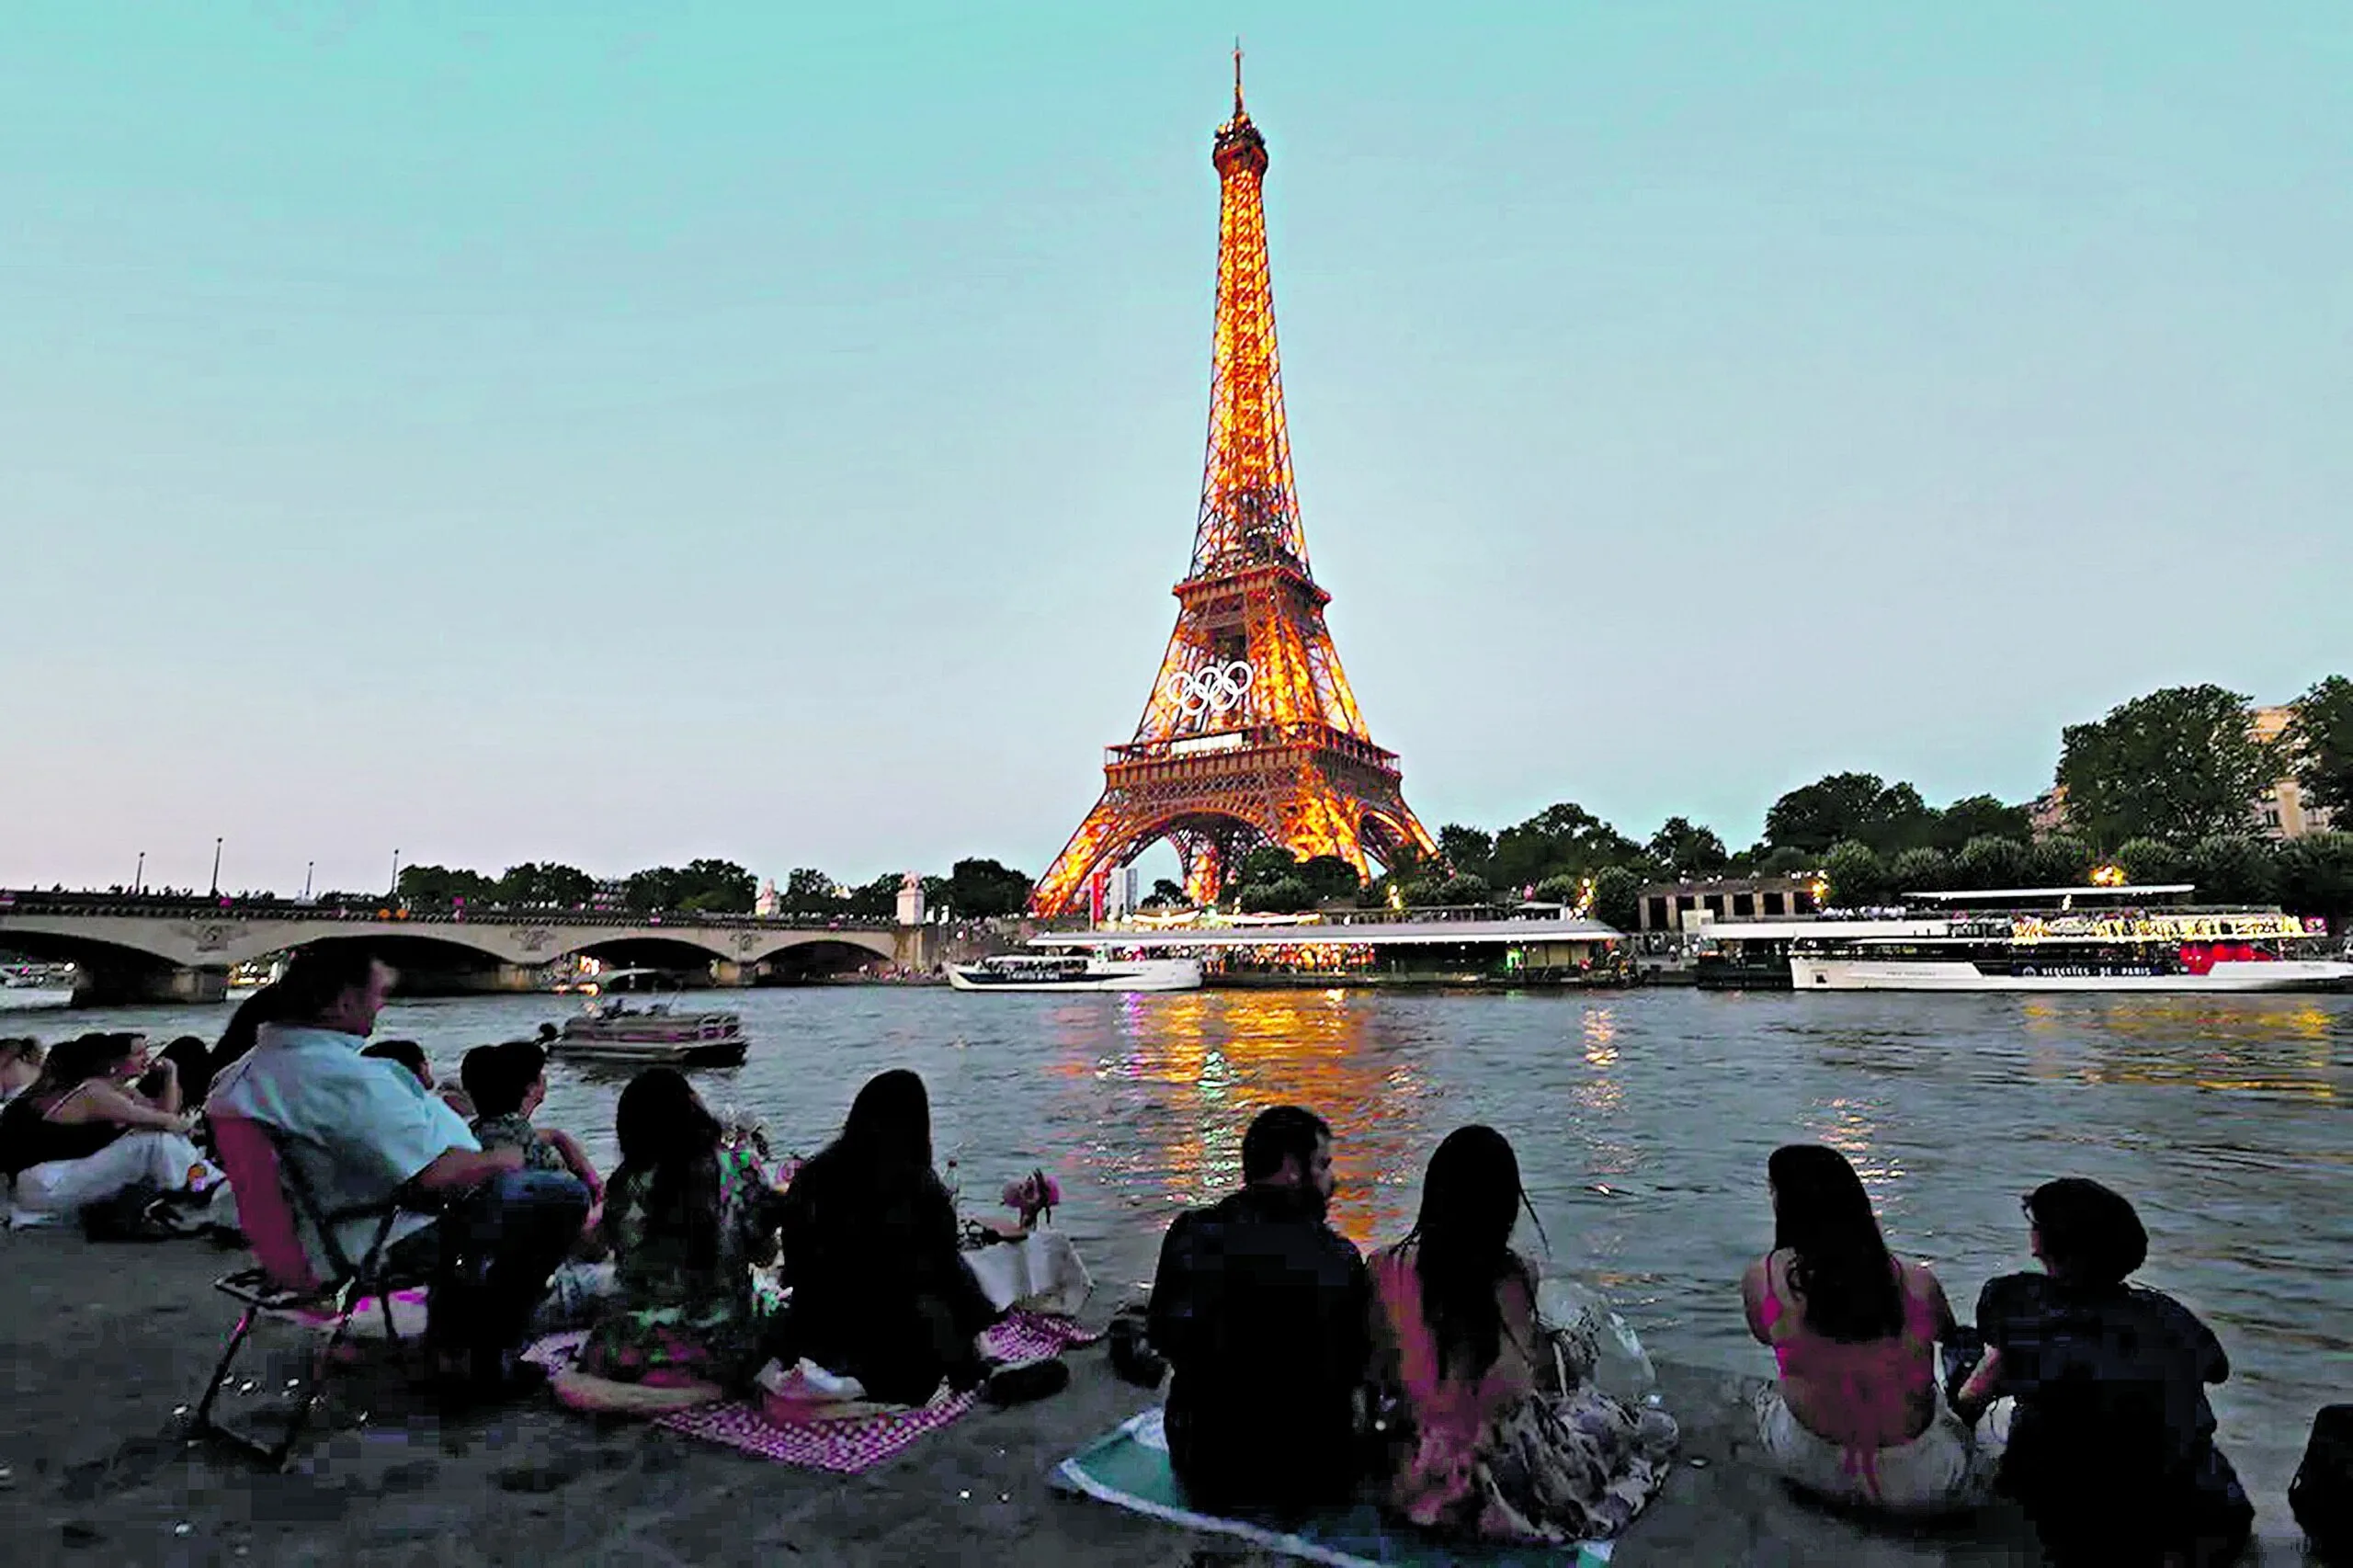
<point>148,949</point>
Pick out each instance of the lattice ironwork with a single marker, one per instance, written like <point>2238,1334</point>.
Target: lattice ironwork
<point>1251,734</point>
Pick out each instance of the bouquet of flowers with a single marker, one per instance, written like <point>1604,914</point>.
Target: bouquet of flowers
<point>1033,1197</point>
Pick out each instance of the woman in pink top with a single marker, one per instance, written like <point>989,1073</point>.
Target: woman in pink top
<point>1494,1435</point>
<point>1856,1416</point>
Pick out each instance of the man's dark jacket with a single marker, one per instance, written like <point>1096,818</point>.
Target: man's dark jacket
<point>1261,1309</point>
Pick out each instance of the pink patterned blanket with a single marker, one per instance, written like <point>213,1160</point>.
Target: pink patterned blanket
<point>849,1445</point>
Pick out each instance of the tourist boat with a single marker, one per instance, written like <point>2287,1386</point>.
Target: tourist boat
<point>657,1035</point>
<point>1024,971</point>
<point>2095,938</point>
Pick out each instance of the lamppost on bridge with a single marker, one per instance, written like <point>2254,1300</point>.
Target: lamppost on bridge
<point>306,877</point>
<point>397,874</point>
<point>216,867</point>
<point>139,878</point>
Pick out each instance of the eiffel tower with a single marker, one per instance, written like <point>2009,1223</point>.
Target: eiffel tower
<point>1251,735</point>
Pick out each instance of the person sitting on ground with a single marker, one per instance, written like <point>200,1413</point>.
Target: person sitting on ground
<point>688,1219</point>
<point>362,1134</point>
<point>1855,1417</point>
<point>243,1028</point>
<point>191,1064</point>
<point>21,1064</point>
<point>2111,1443</point>
<point>1498,1438</point>
<point>880,1290</point>
<point>82,1133</point>
<point>1262,1311</point>
<point>410,1058</point>
<point>506,1083</point>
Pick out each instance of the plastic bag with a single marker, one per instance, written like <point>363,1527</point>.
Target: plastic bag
<point>1604,1342</point>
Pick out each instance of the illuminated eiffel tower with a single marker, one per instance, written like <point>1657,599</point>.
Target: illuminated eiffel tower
<point>1251,734</point>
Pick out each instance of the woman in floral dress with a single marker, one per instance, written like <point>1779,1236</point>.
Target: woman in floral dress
<point>688,1219</point>
<point>1496,1430</point>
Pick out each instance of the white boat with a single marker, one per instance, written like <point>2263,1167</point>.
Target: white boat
<point>612,1031</point>
<point>32,986</point>
<point>1025,972</point>
<point>2097,938</point>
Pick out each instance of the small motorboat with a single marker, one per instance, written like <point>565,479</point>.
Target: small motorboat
<point>658,1034</point>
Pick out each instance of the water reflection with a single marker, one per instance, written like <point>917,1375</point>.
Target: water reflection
<point>1191,1070</point>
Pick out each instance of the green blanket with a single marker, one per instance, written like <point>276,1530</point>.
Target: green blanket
<point>1129,1467</point>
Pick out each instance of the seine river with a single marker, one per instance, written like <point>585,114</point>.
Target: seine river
<point>1642,1121</point>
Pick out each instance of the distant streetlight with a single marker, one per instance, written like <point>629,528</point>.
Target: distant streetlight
<point>139,878</point>
<point>396,873</point>
<point>216,867</point>
<point>306,877</point>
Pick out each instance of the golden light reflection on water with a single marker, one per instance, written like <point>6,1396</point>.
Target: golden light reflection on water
<point>1193,1069</point>
<point>2266,1045</point>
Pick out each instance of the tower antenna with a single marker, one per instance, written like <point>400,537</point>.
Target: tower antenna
<point>1237,75</point>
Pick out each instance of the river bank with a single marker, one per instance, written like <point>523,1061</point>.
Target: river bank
<point>102,1345</point>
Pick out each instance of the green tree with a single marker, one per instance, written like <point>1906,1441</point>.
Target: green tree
<point>1284,895</point>
<point>535,884</point>
<point>1617,896</point>
<point>441,887</point>
<point>1784,861</point>
<point>1987,861</point>
<point>716,887</point>
<point>1263,863</point>
<point>2148,862</point>
<point>981,890</point>
<point>1921,870</point>
<point>877,900</point>
<point>1166,893</point>
<point>1683,848</point>
<point>1563,838</point>
<point>1464,888</point>
<point>808,890</point>
<point>1563,889</point>
<point>1857,876</point>
<point>1330,878</point>
<point>1858,806</point>
<point>2059,861</point>
<point>2316,875</point>
<point>1466,848</point>
<point>2234,868</point>
<point>2322,744</point>
<point>2179,765</point>
<point>1980,816</point>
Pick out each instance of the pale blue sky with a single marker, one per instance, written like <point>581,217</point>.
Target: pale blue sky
<point>747,430</point>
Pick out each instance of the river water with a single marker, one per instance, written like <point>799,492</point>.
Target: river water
<point>1641,1118</point>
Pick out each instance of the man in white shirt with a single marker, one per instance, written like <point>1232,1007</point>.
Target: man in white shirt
<point>365,1131</point>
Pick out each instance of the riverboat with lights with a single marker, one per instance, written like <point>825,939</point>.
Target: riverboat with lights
<point>2046,939</point>
<point>1028,971</point>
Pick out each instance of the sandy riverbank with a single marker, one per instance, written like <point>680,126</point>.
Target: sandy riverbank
<point>99,1345</point>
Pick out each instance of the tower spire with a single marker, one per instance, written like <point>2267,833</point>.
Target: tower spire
<point>1237,76</point>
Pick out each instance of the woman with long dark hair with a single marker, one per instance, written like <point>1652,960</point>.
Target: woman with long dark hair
<point>1500,1433</point>
<point>84,1133</point>
<point>881,1291</point>
<point>687,1218</point>
<point>1856,1417</point>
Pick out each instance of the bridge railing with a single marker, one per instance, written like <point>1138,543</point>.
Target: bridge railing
<point>136,906</point>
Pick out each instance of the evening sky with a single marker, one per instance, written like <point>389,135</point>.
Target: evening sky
<point>617,434</point>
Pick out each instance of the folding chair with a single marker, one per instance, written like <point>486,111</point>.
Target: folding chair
<point>271,1194</point>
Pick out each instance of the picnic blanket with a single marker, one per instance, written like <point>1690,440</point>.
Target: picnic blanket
<point>848,1444</point>
<point>1129,1468</point>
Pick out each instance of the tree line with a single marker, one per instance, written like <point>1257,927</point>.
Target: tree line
<point>973,889</point>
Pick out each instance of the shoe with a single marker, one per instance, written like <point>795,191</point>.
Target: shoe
<point>1133,1357</point>
<point>1019,1383</point>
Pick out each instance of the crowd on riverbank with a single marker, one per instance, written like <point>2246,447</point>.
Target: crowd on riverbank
<point>1513,1441</point>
